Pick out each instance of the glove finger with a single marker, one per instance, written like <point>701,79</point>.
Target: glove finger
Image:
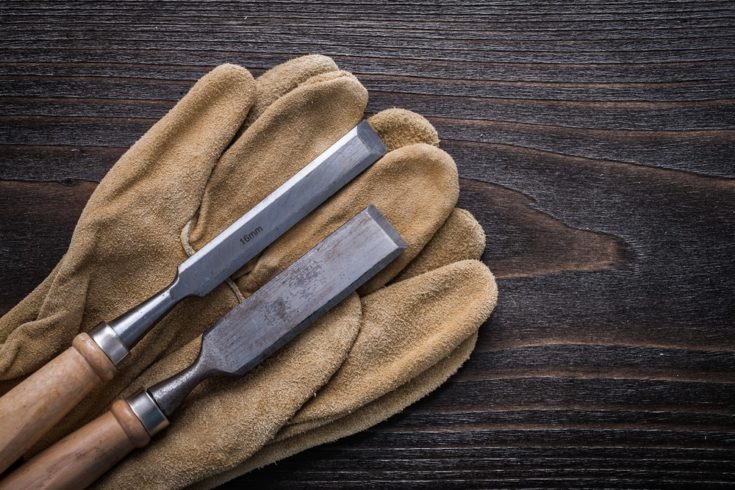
<point>400,127</point>
<point>282,79</point>
<point>406,328</point>
<point>25,311</point>
<point>291,132</point>
<point>461,237</point>
<point>249,410</point>
<point>32,343</point>
<point>289,441</point>
<point>180,150</point>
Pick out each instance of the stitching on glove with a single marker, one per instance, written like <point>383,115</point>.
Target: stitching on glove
<point>184,237</point>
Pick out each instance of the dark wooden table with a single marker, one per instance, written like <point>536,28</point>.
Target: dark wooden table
<point>595,143</point>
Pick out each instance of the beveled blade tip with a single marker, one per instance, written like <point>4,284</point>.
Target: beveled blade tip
<point>381,221</point>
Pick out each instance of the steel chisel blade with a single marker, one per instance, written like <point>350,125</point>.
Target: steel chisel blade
<point>282,209</point>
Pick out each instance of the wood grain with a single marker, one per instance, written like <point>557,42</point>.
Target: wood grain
<point>35,405</point>
<point>83,456</point>
<point>594,142</point>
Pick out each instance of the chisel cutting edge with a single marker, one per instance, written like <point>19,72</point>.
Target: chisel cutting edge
<point>245,336</point>
<point>40,401</point>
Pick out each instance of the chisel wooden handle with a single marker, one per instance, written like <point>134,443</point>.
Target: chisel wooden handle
<point>83,456</point>
<point>40,401</point>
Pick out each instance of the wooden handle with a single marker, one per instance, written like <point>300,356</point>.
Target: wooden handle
<point>83,456</point>
<point>40,401</point>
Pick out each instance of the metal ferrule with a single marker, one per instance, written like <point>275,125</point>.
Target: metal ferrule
<point>110,343</point>
<point>145,408</point>
<point>117,337</point>
<point>134,323</point>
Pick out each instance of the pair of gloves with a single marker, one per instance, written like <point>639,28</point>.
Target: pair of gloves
<point>225,146</point>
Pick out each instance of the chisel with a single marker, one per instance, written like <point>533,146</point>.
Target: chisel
<point>40,401</point>
<point>245,336</point>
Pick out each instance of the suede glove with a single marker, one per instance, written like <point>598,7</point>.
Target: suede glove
<point>225,146</point>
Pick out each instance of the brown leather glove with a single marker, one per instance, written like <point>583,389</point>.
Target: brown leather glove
<point>225,146</point>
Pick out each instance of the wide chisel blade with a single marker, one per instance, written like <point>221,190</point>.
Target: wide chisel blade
<point>282,308</point>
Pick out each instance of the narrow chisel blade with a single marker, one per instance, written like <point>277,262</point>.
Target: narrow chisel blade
<point>313,284</point>
<point>278,212</point>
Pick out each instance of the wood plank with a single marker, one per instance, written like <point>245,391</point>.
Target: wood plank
<point>594,144</point>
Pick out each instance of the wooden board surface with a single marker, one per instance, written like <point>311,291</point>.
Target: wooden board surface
<point>594,142</point>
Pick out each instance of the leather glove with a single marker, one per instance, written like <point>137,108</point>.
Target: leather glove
<point>226,145</point>
<point>413,334</point>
